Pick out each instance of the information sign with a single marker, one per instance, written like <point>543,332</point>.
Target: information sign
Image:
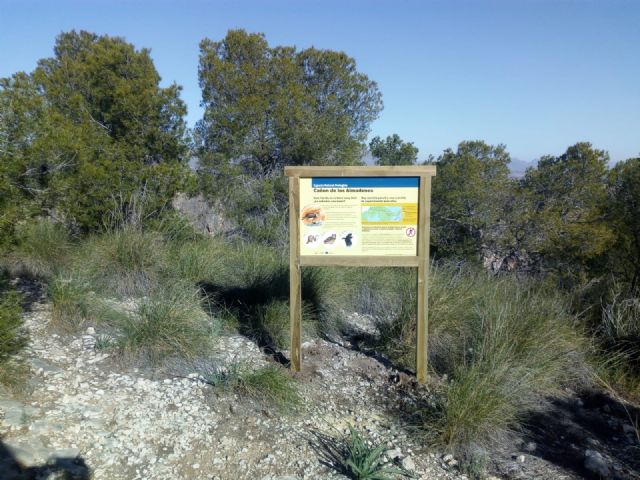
<point>359,216</point>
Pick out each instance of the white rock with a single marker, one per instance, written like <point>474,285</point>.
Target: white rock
<point>596,463</point>
<point>395,453</point>
<point>407,464</point>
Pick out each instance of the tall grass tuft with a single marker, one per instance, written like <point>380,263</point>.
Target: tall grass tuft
<point>43,247</point>
<point>71,303</point>
<point>13,337</point>
<point>168,322</point>
<point>199,261</point>
<point>126,262</point>
<point>502,344</point>
<point>272,383</point>
<point>617,360</point>
<point>271,322</point>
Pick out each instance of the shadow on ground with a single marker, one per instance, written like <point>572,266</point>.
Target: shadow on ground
<point>243,303</point>
<point>63,468</point>
<point>589,421</point>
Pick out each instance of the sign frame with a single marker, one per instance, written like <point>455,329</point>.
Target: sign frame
<point>419,261</point>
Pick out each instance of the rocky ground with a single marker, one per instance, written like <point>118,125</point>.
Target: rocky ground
<point>87,416</point>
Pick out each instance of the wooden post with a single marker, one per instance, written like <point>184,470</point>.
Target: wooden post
<point>424,227</point>
<point>295,288</point>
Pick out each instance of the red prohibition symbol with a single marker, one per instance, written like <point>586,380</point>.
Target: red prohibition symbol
<point>411,232</point>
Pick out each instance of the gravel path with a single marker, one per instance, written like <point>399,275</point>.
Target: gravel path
<point>86,417</point>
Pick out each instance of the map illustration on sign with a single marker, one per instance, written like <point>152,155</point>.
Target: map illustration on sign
<point>382,214</point>
<point>358,215</point>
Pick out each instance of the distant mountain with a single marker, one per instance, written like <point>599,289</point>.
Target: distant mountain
<point>518,167</point>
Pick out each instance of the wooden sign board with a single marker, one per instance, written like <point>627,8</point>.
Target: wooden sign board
<point>360,216</point>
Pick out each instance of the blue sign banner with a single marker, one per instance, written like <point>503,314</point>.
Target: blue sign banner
<point>365,182</point>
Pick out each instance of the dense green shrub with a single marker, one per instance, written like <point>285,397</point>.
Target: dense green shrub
<point>88,130</point>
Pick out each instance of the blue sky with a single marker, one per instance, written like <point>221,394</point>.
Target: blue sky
<point>535,75</point>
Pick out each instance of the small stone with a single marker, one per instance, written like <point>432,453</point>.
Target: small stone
<point>195,466</point>
<point>520,459</point>
<point>91,331</point>
<point>407,464</point>
<point>596,463</point>
<point>395,453</point>
<point>447,458</point>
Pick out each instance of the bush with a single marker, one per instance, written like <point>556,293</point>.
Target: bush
<point>620,325</point>
<point>273,323</point>
<point>258,268</point>
<point>174,226</point>
<point>250,282</point>
<point>168,322</point>
<point>42,248</point>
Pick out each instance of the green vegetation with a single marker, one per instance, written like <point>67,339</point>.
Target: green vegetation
<point>169,321</point>
<point>470,195</point>
<point>272,383</point>
<point>125,262</point>
<point>364,462</point>
<point>88,130</point>
<point>13,337</point>
<point>393,151</point>
<point>41,249</point>
<point>357,457</point>
<point>71,303</point>
<point>12,334</point>
<point>502,345</point>
<point>267,107</point>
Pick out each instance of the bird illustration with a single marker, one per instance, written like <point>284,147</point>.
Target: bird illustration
<point>348,240</point>
<point>330,239</point>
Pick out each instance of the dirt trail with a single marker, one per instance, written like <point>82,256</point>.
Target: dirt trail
<point>87,418</point>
